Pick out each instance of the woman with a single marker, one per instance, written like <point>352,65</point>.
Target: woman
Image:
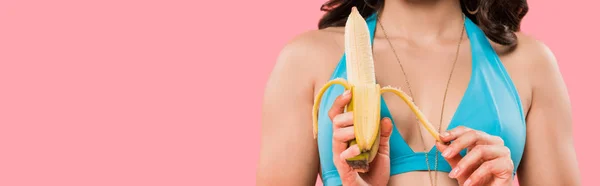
<point>489,90</point>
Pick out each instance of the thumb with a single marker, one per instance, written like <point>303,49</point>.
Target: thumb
<point>386,132</point>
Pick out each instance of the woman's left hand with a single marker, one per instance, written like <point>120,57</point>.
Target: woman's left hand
<point>487,162</point>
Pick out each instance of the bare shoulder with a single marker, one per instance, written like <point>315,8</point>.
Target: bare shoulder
<point>312,45</point>
<point>543,68</point>
<point>530,53</point>
<point>312,53</point>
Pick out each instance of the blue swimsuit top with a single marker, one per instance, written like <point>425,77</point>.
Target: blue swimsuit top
<point>490,104</point>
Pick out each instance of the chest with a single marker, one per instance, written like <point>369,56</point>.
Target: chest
<point>452,86</point>
<point>438,77</point>
<point>435,77</point>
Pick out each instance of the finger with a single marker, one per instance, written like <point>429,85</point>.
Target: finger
<point>352,151</point>
<point>453,161</point>
<point>343,120</point>
<point>499,169</point>
<point>339,104</point>
<point>386,132</point>
<point>341,165</point>
<point>468,139</point>
<point>478,155</point>
<point>347,174</point>
<point>343,131</point>
<point>452,134</point>
<point>343,135</point>
<point>338,146</point>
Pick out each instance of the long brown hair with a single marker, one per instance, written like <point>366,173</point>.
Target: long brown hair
<point>498,19</point>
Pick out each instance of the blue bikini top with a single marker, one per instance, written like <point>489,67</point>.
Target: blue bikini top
<point>491,104</point>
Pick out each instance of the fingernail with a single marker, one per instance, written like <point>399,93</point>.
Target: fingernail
<point>468,182</point>
<point>447,152</point>
<point>444,134</point>
<point>454,172</point>
<point>347,92</point>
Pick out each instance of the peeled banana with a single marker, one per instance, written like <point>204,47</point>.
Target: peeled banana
<point>366,93</point>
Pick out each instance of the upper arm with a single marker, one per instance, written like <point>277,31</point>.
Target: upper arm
<point>549,156</point>
<point>288,151</point>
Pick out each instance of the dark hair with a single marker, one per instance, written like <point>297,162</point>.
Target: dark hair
<point>498,19</point>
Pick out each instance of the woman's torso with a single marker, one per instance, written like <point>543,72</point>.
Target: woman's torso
<point>427,68</point>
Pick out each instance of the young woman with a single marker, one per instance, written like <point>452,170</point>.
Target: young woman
<point>489,90</point>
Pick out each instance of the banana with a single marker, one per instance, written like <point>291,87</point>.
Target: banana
<point>366,94</point>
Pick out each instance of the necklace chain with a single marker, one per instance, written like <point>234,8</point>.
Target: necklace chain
<point>443,102</point>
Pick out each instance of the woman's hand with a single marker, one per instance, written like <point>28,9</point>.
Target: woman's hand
<point>343,132</point>
<point>487,162</point>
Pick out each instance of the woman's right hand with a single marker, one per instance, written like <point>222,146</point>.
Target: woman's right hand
<point>343,133</point>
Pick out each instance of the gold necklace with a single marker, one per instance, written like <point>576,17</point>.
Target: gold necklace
<point>443,102</point>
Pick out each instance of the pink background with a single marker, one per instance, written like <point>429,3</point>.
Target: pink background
<point>161,92</point>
